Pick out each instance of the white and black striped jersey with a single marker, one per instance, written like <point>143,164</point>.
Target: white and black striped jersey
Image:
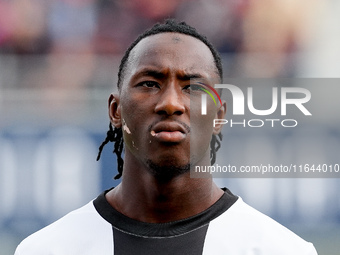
<point>230,226</point>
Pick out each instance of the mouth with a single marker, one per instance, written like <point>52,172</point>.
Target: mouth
<point>169,132</point>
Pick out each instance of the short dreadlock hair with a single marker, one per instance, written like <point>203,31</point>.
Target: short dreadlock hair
<point>170,25</point>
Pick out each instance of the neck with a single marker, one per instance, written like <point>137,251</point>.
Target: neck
<point>143,197</point>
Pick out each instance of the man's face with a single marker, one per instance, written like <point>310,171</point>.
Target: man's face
<point>158,110</point>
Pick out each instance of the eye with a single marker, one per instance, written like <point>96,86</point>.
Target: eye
<point>193,88</point>
<point>149,84</point>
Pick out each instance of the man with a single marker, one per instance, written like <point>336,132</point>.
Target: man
<point>158,208</point>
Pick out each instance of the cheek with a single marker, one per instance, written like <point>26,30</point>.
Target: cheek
<point>131,111</point>
<point>201,133</point>
<point>135,105</point>
<point>131,121</point>
<point>202,124</point>
<point>134,124</point>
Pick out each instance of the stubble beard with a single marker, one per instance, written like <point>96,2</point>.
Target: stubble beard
<point>168,171</point>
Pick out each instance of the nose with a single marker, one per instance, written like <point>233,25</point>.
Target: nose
<point>171,101</point>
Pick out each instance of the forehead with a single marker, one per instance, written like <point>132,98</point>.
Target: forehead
<point>174,51</point>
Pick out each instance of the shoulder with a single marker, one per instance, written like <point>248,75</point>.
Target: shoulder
<point>75,233</point>
<point>243,226</point>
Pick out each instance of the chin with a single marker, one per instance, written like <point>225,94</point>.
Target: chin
<point>167,170</point>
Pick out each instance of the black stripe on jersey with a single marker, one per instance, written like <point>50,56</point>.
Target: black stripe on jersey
<point>187,244</point>
<point>161,230</point>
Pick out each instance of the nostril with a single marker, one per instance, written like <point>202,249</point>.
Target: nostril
<point>170,110</point>
<point>170,106</point>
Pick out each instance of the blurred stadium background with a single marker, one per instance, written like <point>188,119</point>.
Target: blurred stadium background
<point>58,65</point>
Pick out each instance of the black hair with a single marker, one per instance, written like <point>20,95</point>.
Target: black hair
<point>114,135</point>
<point>170,25</point>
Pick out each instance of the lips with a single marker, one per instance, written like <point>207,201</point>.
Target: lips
<point>171,132</point>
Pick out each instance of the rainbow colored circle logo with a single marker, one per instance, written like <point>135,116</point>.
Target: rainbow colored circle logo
<point>209,93</point>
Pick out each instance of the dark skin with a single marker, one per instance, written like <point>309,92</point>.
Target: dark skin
<point>160,115</point>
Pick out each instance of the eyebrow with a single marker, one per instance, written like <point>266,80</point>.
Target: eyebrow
<point>186,77</point>
<point>152,73</point>
<point>161,75</point>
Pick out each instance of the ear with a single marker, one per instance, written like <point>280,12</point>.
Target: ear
<point>221,112</point>
<point>114,111</point>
